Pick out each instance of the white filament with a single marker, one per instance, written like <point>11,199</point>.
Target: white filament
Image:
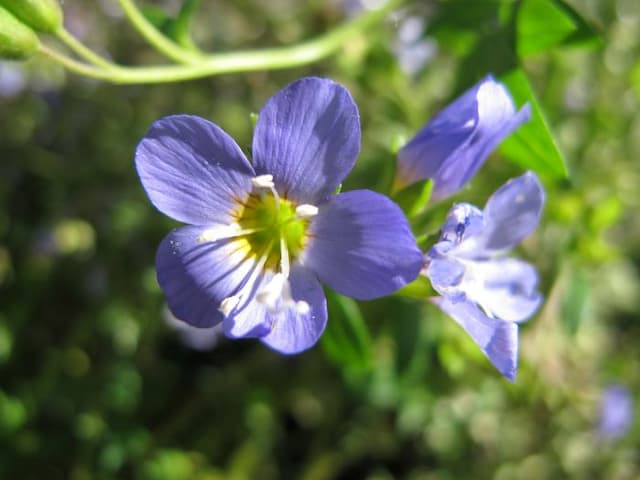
<point>221,232</point>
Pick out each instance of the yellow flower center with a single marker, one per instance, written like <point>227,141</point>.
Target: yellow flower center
<point>273,222</point>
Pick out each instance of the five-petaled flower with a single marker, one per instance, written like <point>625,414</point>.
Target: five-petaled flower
<point>486,293</point>
<point>262,235</point>
<point>456,142</point>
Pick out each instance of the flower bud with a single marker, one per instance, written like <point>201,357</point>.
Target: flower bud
<point>17,41</point>
<point>40,15</point>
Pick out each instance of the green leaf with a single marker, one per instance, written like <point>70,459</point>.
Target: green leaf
<point>346,340</point>
<point>544,24</point>
<point>532,145</point>
<point>420,289</point>
<point>576,302</point>
<point>179,29</point>
<point>413,199</point>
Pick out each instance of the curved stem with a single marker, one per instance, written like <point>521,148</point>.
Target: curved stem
<point>156,38</point>
<point>232,62</point>
<point>75,66</point>
<point>82,51</point>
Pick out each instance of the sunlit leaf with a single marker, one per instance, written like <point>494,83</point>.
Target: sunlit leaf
<point>544,24</point>
<point>532,145</point>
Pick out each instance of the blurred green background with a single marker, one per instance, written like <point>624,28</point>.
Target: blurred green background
<point>96,379</point>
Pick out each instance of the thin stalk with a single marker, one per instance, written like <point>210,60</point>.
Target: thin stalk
<point>232,62</point>
<point>155,38</point>
<point>82,51</point>
<point>73,65</point>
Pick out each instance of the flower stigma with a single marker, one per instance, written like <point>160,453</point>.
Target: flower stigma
<point>273,230</point>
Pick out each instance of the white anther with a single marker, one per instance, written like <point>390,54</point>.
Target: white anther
<point>306,210</point>
<point>302,307</point>
<point>263,181</point>
<point>273,291</point>
<point>228,304</point>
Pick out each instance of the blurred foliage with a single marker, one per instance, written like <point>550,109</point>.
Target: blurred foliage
<point>97,384</point>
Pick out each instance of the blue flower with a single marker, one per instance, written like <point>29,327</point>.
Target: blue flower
<point>262,235</point>
<point>616,412</point>
<point>453,146</point>
<point>485,292</point>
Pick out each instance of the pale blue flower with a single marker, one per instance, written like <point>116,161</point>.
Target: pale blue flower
<point>263,235</point>
<point>616,412</point>
<point>485,292</point>
<point>453,146</point>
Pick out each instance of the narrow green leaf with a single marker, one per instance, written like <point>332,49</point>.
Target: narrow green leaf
<point>179,29</point>
<point>544,24</point>
<point>156,16</point>
<point>346,340</point>
<point>576,301</point>
<point>541,25</point>
<point>532,145</point>
<point>584,34</point>
<point>413,199</point>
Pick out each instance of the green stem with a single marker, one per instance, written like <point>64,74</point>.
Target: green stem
<point>233,62</point>
<point>75,66</point>
<point>82,51</point>
<point>156,38</point>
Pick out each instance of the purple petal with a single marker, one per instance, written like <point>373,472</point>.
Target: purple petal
<point>308,138</point>
<point>507,289</point>
<point>192,170</point>
<point>497,339</point>
<point>196,276</point>
<point>463,221</point>
<point>444,273</point>
<point>251,318</point>
<point>294,330</point>
<point>512,212</point>
<point>616,412</point>
<point>424,155</point>
<point>361,246</point>
<point>456,143</point>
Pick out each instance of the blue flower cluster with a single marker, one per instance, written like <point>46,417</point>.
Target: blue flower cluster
<point>263,235</point>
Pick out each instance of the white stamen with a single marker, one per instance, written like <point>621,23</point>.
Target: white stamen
<point>266,181</point>
<point>276,289</point>
<point>306,210</point>
<point>284,258</point>
<point>228,304</point>
<point>263,181</point>
<point>221,232</point>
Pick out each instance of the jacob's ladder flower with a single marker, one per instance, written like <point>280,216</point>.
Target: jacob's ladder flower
<point>263,235</point>
<point>485,292</point>
<point>453,146</point>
